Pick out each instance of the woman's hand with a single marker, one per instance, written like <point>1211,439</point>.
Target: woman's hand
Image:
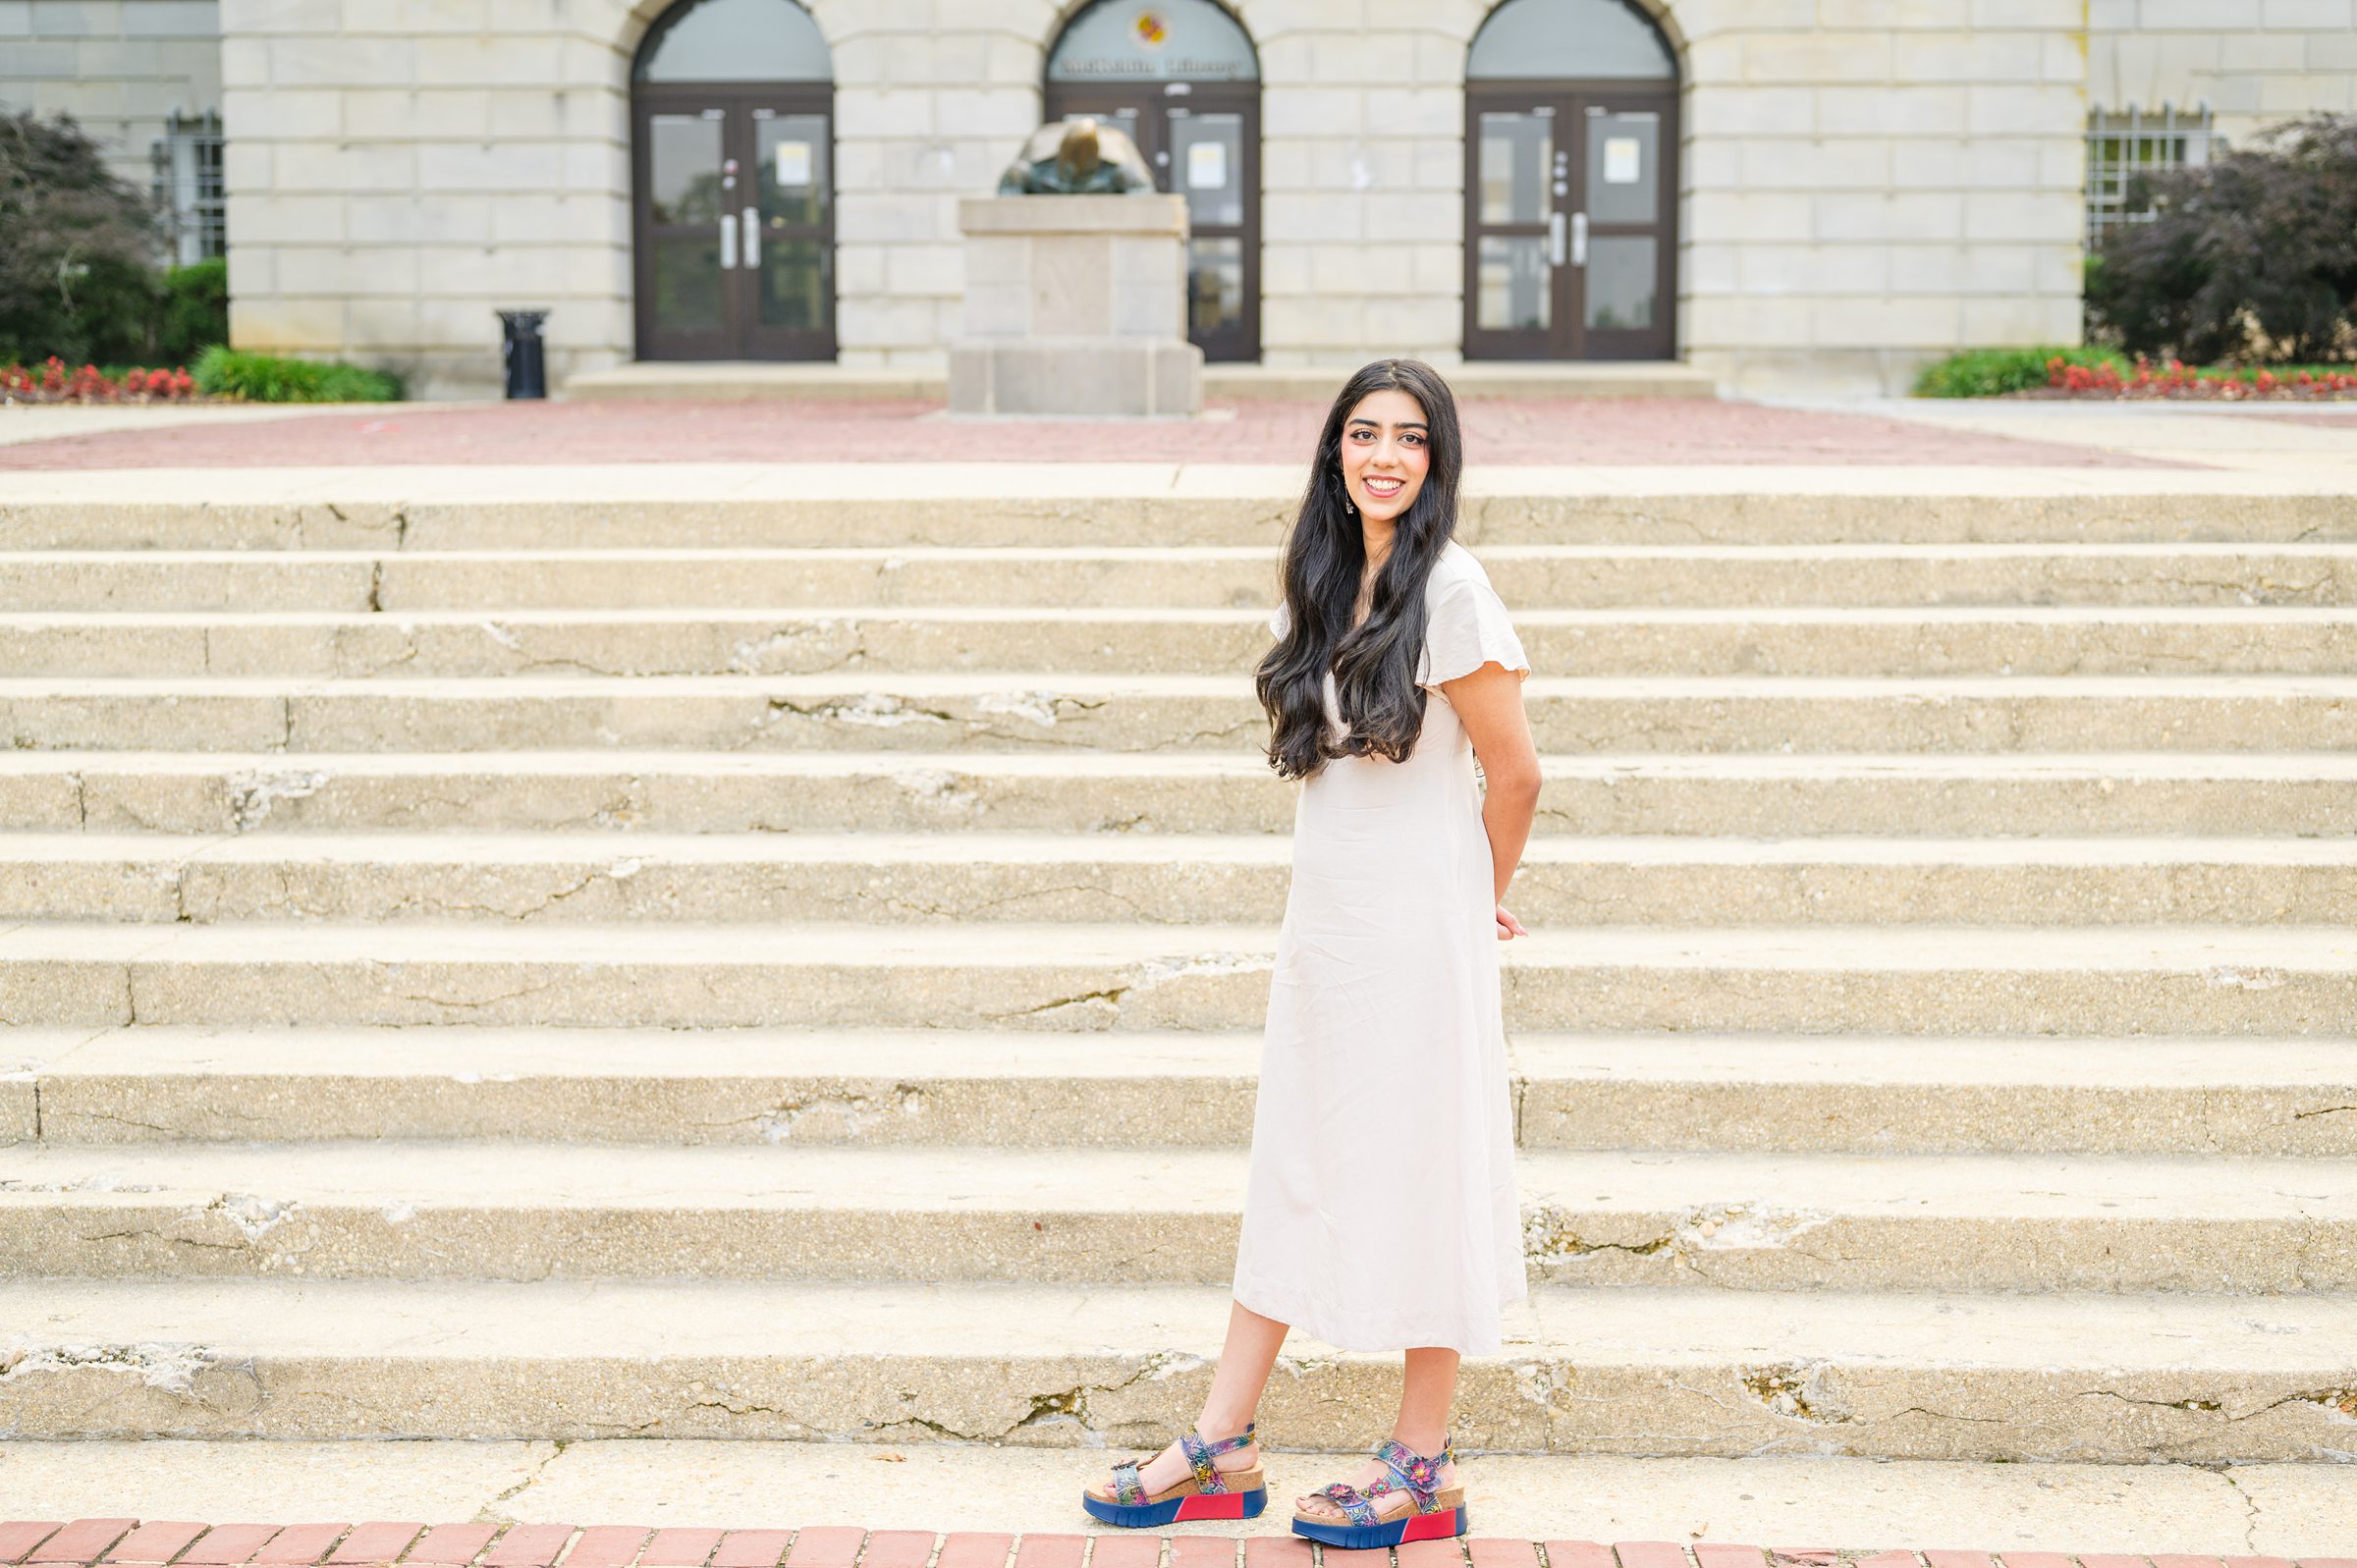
<point>1508,928</point>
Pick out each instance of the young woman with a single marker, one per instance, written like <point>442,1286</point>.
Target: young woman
<point>1381,1211</point>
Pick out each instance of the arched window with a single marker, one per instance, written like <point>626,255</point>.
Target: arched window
<point>732,114</point>
<point>735,40</point>
<point>1588,39</point>
<point>1115,41</point>
<point>1182,78</point>
<point>1570,184</point>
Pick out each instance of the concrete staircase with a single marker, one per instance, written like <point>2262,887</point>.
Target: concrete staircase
<point>506,970</point>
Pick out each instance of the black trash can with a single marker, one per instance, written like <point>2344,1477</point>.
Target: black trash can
<point>520,347</point>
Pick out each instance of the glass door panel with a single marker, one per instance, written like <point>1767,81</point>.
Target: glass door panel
<point>785,244</point>
<point>688,235</point>
<point>1621,231</point>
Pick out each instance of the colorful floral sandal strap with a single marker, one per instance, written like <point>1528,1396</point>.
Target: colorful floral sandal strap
<point>1347,1497</point>
<point>1127,1487</point>
<point>1199,1455</point>
<point>1422,1475</point>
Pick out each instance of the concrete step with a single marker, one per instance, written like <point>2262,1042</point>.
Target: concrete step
<point>1790,1093</point>
<point>1165,577</point>
<point>1678,1372</point>
<point>948,878</point>
<point>1028,712</point>
<point>1073,506</point>
<point>2088,980</point>
<point>2235,795</point>
<point>950,1214</point>
<point>1821,642</point>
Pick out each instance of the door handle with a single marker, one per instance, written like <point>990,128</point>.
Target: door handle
<point>728,243</point>
<point>752,237</point>
<point>1555,238</point>
<point>1580,239</point>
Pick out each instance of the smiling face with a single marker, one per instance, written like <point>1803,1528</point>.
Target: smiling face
<point>1387,450</point>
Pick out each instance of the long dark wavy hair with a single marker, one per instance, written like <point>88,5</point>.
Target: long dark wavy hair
<point>1325,556</point>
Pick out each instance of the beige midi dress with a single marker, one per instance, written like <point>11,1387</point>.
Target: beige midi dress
<point>1381,1211</point>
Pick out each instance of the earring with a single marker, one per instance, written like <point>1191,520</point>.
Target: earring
<point>1343,485</point>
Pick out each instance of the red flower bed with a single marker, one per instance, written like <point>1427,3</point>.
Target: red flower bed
<point>55,383</point>
<point>2177,379</point>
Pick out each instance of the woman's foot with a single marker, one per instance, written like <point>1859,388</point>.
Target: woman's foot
<point>1316,1505</point>
<point>1170,1467</point>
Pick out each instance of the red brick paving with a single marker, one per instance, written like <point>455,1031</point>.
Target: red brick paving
<point>608,1546</point>
<point>82,1541</point>
<point>977,1550</point>
<point>158,1541</point>
<point>1707,1555</point>
<point>1044,1551</point>
<point>103,1541</point>
<point>451,1546</point>
<point>1578,1554</point>
<point>381,1542</point>
<point>236,1543</point>
<point>1127,1552</point>
<point>1498,430</point>
<point>300,1543</point>
<point>826,1546</point>
<point>530,1547</point>
<point>752,1548</point>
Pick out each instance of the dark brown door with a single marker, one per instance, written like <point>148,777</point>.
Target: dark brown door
<point>1571,220</point>
<point>1201,140</point>
<point>734,222</point>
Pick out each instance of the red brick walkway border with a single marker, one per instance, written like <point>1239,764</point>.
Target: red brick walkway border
<point>159,1543</point>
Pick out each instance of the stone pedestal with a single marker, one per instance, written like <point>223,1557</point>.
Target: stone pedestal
<point>1074,305</point>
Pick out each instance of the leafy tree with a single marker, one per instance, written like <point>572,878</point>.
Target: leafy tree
<point>2251,256</point>
<point>78,273</point>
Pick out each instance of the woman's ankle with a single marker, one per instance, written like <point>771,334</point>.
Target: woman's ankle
<point>1428,1443</point>
<point>1216,1426</point>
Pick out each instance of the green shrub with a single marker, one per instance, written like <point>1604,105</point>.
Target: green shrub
<point>2250,256</point>
<point>1992,372</point>
<point>224,372</point>
<point>194,310</point>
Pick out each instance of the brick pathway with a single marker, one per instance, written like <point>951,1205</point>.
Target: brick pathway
<point>1498,430</point>
<point>155,1543</point>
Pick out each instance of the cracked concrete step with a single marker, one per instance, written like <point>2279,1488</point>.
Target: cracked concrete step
<point>2214,794</point>
<point>526,1211</point>
<point>1948,1376</point>
<point>1836,642</point>
<point>1081,505</point>
<point>1527,576</point>
<point>1168,879</point>
<point>1706,1093</point>
<point>1018,712</point>
<point>2088,980</point>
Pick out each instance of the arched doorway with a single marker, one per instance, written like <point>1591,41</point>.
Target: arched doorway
<point>732,149</point>
<point>1183,79</point>
<point>1570,184</point>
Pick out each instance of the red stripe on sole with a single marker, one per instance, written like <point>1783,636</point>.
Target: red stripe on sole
<point>1212,1505</point>
<point>1430,1527</point>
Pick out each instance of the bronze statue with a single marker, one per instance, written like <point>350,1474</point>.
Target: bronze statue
<point>1076,156</point>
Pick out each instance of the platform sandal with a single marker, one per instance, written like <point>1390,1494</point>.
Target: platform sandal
<point>1433,1513</point>
<point>1209,1494</point>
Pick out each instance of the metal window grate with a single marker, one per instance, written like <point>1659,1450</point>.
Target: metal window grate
<point>186,160</point>
<point>2121,145</point>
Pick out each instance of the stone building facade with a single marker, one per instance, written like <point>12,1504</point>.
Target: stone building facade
<point>1847,187</point>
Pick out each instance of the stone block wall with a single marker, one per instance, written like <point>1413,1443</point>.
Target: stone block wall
<point>2255,62</point>
<point>118,66</point>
